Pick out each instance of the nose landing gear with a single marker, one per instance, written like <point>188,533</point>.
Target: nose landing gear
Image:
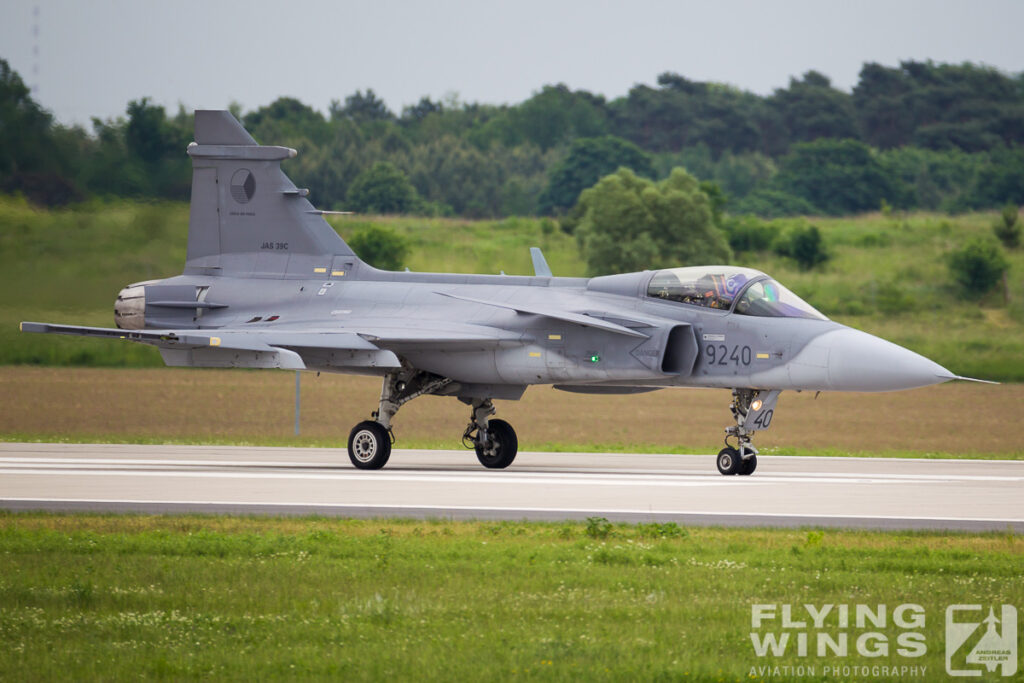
<point>753,411</point>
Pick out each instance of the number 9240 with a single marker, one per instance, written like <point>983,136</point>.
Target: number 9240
<point>720,354</point>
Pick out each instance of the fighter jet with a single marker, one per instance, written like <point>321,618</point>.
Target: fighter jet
<point>268,283</point>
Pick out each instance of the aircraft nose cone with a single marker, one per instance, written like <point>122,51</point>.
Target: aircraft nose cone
<point>858,361</point>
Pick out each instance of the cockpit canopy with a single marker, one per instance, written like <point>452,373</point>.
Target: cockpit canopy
<point>719,287</point>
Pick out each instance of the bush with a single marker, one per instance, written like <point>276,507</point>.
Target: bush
<point>661,530</point>
<point>748,233</point>
<point>768,203</point>
<point>1008,228</point>
<point>43,189</point>
<point>382,189</point>
<point>380,247</point>
<point>978,266</point>
<point>598,527</point>
<point>805,246</point>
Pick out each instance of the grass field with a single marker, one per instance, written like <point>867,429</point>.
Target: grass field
<point>257,408</point>
<point>887,276</point>
<point>122,597</point>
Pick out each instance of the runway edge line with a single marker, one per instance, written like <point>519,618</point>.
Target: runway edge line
<point>741,520</point>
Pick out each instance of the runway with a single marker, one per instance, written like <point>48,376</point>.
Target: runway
<point>872,493</point>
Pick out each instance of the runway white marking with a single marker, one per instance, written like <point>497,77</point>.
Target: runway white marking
<point>79,463</point>
<point>441,510</point>
<point>785,491</point>
<point>115,467</point>
<point>376,477</point>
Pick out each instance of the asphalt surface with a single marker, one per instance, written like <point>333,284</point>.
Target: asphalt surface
<point>874,493</point>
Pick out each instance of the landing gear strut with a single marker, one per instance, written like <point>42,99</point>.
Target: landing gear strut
<point>753,410</point>
<point>495,441</point>
<point>369,443</point>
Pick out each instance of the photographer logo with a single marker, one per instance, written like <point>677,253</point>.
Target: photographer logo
<point>977,643</point>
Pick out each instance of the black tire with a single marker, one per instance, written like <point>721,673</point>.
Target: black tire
<point>748,466</point>
<point>369,445</point>
<point>728,461</point>
<point>505,447</point>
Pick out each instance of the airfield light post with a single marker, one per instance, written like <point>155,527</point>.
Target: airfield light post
<point>298,399</point>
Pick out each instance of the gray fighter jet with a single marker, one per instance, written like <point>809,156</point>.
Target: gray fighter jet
<point>269,284</point>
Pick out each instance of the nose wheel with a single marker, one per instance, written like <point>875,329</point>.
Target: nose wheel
<point>731,462</point>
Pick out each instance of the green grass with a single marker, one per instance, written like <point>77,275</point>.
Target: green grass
<point>119,597</point>
<point>888,275</point>
<point>68,265</point>
<point>441,245</point>
<point>433,444</point>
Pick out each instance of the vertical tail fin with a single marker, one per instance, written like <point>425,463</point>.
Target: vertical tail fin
<point>246,217</point>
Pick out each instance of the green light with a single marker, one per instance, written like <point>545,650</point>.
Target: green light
<point>595,358</point>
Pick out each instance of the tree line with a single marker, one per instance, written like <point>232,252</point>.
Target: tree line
<point>919,135</point>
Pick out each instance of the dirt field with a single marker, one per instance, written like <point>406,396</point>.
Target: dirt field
<point>257,407</point>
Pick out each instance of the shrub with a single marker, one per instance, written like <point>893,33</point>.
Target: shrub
<point>978,266</point>
<point>661,530</point>
<point>598,527</point>
<point>770,203</point>
<point>748,233</point>
<point>43,189</point>
<point>380,247</point>
<point>805,246</point>
<point>1008,228</point>
<point>814,538</point>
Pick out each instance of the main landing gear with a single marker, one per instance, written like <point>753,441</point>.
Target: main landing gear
<point>495,441</point>
<point>753,411</point>
<point>369,443</point>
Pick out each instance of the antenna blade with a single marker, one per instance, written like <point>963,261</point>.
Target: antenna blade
<point>540,264</point>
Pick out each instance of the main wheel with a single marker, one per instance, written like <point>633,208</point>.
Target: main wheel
<point>748,466</point>
<point>729,461</point>
<point>501,448</point>
<point>369,445</point>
